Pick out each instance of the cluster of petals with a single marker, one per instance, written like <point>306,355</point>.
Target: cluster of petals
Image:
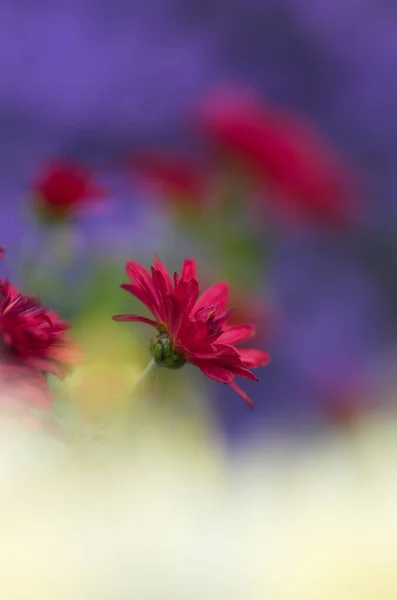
<point>195,324</point>
<point>63,188</point>
<point>33,343</point>
<point>286,155</point>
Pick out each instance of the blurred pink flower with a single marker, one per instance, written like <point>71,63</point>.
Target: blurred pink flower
<point>177,178</point>
<point>63,188</point>
<point>348,402</point>
<point>285,155</point>
<point>33,342</point>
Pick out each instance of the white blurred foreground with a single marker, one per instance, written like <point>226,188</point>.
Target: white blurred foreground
<point>172,517</point>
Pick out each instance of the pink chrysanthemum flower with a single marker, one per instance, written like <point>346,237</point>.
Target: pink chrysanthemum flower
<point>33,342</point>
<point>192,327</point>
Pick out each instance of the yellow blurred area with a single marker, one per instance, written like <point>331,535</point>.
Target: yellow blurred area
<point>169,517</point>
<point>113,361</point>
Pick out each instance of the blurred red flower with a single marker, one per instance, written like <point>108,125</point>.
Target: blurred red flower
<point>286,156</point>
<point>62,189</point>
<point>33,342</point>
<point>175,177</point>
<point>191,327</point>
<point>2,252</point>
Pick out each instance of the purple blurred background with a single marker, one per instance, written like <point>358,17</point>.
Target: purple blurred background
<point>93,79</point>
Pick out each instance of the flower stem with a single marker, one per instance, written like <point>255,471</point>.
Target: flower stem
<point>63,246</point>
<point>144,378</point>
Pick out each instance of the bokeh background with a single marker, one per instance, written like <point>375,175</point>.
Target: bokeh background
<point>97,82</point>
